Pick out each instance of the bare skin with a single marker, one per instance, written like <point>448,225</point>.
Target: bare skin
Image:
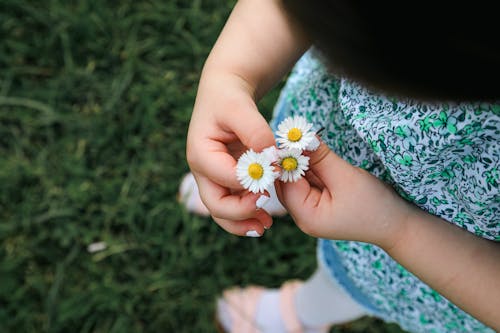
<point>339,201</point>
<point>257,47</point>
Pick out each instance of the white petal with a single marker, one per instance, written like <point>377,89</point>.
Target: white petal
<point>271,153</point>
<point>255,185</point>
<point>313,145</point>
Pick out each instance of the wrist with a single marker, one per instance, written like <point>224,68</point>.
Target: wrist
<point>397,225</point>
<point>219,76</point>
<point>403,229</point>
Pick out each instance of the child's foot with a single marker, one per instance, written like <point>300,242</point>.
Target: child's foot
<point>258,310</point>
<point>189,196</point>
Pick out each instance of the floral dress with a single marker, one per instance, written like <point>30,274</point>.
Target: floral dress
<point>445,158</point>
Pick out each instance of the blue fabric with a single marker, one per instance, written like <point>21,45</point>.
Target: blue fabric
<point>443,157</point>
<point>330,260</point>
<point>279,114</point>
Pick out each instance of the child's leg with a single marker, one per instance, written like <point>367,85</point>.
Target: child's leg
<point>321,301</point>
<point>313,306</point>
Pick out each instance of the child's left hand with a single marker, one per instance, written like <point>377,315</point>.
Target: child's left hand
<point>339,201</point>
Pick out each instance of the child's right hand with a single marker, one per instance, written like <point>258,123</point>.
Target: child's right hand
<point>224,124</point>
<point>257,47</point>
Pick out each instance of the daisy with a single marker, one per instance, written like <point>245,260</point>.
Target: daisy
<point>255,171</point>
<point>296,133</point>
<point>293,164</point>
<point>271,153</point>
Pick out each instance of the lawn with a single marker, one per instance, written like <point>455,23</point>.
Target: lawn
<point>95,100</point>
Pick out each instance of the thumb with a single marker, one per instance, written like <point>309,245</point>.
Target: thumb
<point>328,166</point>
<point>251,128</point>
<point>300,198</point>
<point>304,197</point>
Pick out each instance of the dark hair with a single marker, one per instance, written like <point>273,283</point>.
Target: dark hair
<point>407,47</point>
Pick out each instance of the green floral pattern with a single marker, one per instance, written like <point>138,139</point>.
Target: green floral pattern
<point>445,158</point>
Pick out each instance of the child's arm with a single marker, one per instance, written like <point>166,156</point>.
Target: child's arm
<point>463,267</point>
<point>339,201</point>
<point>257,46</point>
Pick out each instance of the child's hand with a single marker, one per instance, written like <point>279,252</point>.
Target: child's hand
<point>225,123</point>
<point>257,46</point>
<point>339,201</point>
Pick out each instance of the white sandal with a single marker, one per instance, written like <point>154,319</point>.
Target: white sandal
<point>241,304</point>
<point>189,196</point>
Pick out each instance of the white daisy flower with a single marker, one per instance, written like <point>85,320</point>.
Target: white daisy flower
<point>293,164</point>
<point>313,145</point>
<point>295,133</point>
<point>271,153</point>
<point>255,171</point>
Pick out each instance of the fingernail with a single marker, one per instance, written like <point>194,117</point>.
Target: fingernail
<point>261,201</point>
<point>252,233</point>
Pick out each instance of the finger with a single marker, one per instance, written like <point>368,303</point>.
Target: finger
<point>230,206</point>
<point>248,227</point>
<point>264,218</point>
<point>221,169</point>
<point>328,167</point>
<point>254,132</point>
<point>314,180</point>
<point>216,159</point>
<point>302,200</point>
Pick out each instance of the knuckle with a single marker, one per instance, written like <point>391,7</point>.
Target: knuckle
<point>216,212</point>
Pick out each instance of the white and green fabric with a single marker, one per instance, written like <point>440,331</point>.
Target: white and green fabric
<point>444,157</point>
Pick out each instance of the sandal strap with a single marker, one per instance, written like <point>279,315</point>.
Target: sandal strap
<point>287,306</point>
<point>242,307</point>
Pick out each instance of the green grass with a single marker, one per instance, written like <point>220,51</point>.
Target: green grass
<point>95,100</point>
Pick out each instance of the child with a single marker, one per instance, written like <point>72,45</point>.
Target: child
<point>404,261</point>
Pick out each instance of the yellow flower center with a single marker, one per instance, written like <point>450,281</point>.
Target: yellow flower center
<point>255,171</point>
<point>289,163</point>
<point>294,134</point>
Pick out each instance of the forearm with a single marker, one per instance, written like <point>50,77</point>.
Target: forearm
<point>459,265</point>
<point>258,44</point>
